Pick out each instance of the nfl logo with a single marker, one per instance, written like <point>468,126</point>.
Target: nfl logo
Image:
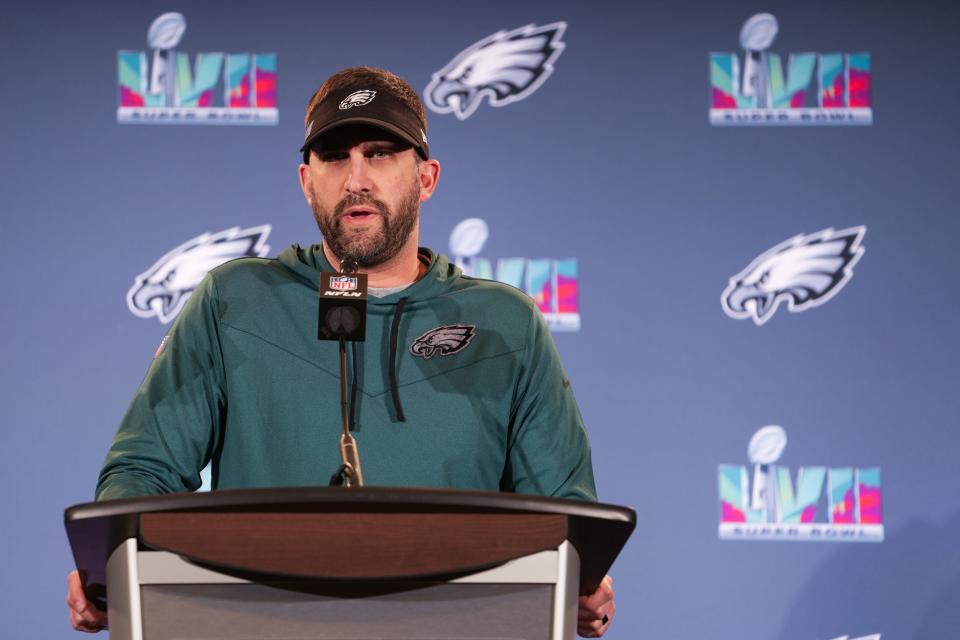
<point>343,283</point>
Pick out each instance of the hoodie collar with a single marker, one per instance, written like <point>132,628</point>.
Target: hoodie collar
<point>308,262</point>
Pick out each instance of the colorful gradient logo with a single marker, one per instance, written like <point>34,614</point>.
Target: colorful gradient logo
<point>219,88</point>
<point>839,504</point>
<point>815,89</point>
<point>553,284</point>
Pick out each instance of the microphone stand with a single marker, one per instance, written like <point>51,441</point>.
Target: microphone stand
<point>349,473</point>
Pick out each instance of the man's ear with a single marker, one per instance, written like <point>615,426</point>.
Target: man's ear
<point>304,174</point>
<point>429,173</point>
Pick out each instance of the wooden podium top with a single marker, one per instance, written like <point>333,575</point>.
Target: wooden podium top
<point>335,533</point>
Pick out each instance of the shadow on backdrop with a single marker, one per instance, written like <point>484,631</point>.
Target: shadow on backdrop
<point>907,587</point>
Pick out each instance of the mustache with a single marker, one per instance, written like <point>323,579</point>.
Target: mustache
<point>354,200</point>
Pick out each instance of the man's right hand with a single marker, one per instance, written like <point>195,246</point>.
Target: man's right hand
<point>84,616</point>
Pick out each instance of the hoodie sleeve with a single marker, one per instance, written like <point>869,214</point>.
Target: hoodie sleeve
<point>549,453</point>
<point>172,427</point>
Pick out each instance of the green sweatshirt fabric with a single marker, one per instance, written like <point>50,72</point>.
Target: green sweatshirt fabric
<point>242,380</point>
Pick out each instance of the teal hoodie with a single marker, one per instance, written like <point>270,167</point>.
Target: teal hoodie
<point>471,396</point>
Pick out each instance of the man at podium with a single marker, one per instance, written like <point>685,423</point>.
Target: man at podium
<point>456,385</point>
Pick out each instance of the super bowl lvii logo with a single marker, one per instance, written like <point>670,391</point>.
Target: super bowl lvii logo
<point>815,89</point>
<point>775,508</point>
<point>553,284</point>
<point>220,88</point>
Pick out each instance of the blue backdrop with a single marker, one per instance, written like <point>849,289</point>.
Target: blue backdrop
<point>611,161</point>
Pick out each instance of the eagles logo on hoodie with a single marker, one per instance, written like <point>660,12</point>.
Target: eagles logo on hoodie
<point>445,340</point>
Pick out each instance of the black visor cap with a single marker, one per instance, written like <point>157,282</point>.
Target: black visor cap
<point>373,107</point>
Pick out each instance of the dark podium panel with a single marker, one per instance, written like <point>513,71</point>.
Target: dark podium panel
<point>341,563</point>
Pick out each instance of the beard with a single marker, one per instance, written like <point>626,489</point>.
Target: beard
<point>369,247</point>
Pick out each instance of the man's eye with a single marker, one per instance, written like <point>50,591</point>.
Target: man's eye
<point>382,153</point>
<point>332,156</point>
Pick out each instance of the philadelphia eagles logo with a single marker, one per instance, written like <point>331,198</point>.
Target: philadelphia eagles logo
<point>164,288</point>
<point>357,99</point>
<point>445,340</point>
<point>505,67</point>
<point>804,271</point>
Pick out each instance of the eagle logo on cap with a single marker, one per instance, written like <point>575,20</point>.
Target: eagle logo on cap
<point>357,99</point>
<point>445,340</point>
<point>505,67</point>
<point>804,271</point>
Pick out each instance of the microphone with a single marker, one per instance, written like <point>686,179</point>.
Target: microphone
<point>349,265</point>
<point>343,316</point>
<point>343,304</point>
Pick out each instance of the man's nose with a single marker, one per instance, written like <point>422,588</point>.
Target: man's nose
<point>358,180</point>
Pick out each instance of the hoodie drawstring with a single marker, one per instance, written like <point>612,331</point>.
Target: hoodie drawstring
<point>394,330</point>
<point>353,387</point>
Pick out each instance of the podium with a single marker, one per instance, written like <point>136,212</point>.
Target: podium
<point>344,564</point>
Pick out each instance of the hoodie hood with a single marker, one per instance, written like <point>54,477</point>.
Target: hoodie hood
<point>307,263</point>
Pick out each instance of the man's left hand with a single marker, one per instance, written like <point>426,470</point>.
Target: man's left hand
<point>596,610</point>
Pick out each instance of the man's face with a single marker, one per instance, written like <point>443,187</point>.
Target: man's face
<point>365,191</point>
